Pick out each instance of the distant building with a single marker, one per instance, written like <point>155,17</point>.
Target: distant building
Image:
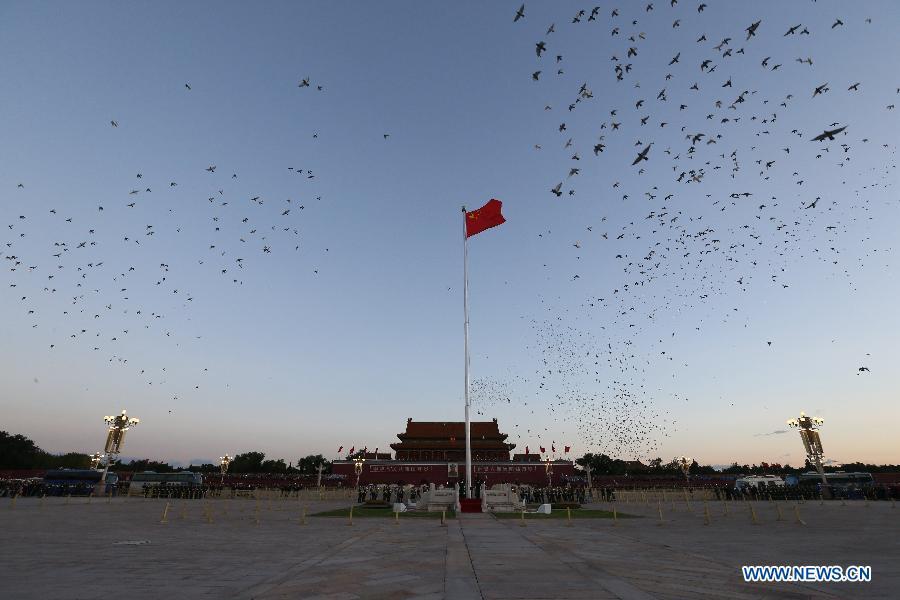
<point>435,452</point>
<point>446,441</point>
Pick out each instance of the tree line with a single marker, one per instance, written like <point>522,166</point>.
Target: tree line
<point>20,452</point>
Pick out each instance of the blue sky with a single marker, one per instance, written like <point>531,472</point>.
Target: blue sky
<point>339,341</point>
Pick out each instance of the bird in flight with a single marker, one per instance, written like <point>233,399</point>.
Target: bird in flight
<point>751,31</point>
<point>519,13</point>
<point>828,134</point>
<point>642,155</point>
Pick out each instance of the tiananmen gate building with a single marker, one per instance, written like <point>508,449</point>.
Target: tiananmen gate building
<point>435,452</point>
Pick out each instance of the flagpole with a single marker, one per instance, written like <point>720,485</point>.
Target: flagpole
<point>466,369</point>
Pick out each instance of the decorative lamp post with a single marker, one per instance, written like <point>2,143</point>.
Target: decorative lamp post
<point>548,465</point>
<point>358,467</point>
<point>685,463</point>
<point>115,439</point>
<point>812,443</point>
<point>224,463</point>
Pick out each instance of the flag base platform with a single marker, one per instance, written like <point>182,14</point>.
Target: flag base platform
<point>470,505</point>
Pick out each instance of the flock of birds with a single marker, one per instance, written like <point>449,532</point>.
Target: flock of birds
<point>720,201</point>
<point>79,274</point>
<point>688,129</point>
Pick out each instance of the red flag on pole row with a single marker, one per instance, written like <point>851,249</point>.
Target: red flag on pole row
<point>553,446</point>
<point>542,449</point>
<point>484,218</point>
<point>339,449</point>
<point>567,449</point>
<point>526,450</point>
<point>352,448</point>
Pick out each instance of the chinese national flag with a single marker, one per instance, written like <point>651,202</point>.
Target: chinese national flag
<point>542,449</point>
<point>484,218</point>
<point>567,449</point>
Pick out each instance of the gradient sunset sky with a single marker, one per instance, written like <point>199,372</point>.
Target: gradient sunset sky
<point>344,318</point>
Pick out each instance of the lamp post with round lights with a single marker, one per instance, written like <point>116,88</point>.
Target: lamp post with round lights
<point>812,443</point>
<point>358,463</point>
<point>685,464</point>
<point>224,463</point>
<point>118,426</point>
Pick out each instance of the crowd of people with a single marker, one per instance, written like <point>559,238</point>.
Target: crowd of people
<point>391,493</point>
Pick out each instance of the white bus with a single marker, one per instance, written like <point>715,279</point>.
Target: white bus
<point>760,482</point>
<point>150,479</point>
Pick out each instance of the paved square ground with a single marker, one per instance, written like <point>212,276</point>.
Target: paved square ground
<point>79,550</point>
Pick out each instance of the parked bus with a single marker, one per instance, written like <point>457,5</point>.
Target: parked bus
<point>760,482</point>
<point>841,484</point>
<point>150,479</point>
<point>76,482</point>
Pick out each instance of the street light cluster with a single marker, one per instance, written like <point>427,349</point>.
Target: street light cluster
<point>812,443</point>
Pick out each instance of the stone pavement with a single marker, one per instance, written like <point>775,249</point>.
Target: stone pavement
<point>80,550</point>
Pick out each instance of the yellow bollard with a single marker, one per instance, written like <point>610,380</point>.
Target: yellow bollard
<point>43,499</point>
<point>303,517</point>
<point>67,498</point>
<point>351,516</point>
<point>183,514</point>
<point>90,497</point>
<point>12,504</point>
<point>444,518</point>
<point>724,508</point>
<point>522,520</point>
<point>799,521</point>
<point>165,515</point>
<point>109,497</point>
<point>778,512</point>
<point>568,516</point>
<point>396,517</point>
<point>615,516</point>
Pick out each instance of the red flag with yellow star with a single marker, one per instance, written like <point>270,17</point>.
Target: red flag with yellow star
<point>483,218</point>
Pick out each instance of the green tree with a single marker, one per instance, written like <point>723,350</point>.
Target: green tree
<point>18,452</point>
<point>273,466</point>
<point>309,465</point>
<point>248,462</point>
